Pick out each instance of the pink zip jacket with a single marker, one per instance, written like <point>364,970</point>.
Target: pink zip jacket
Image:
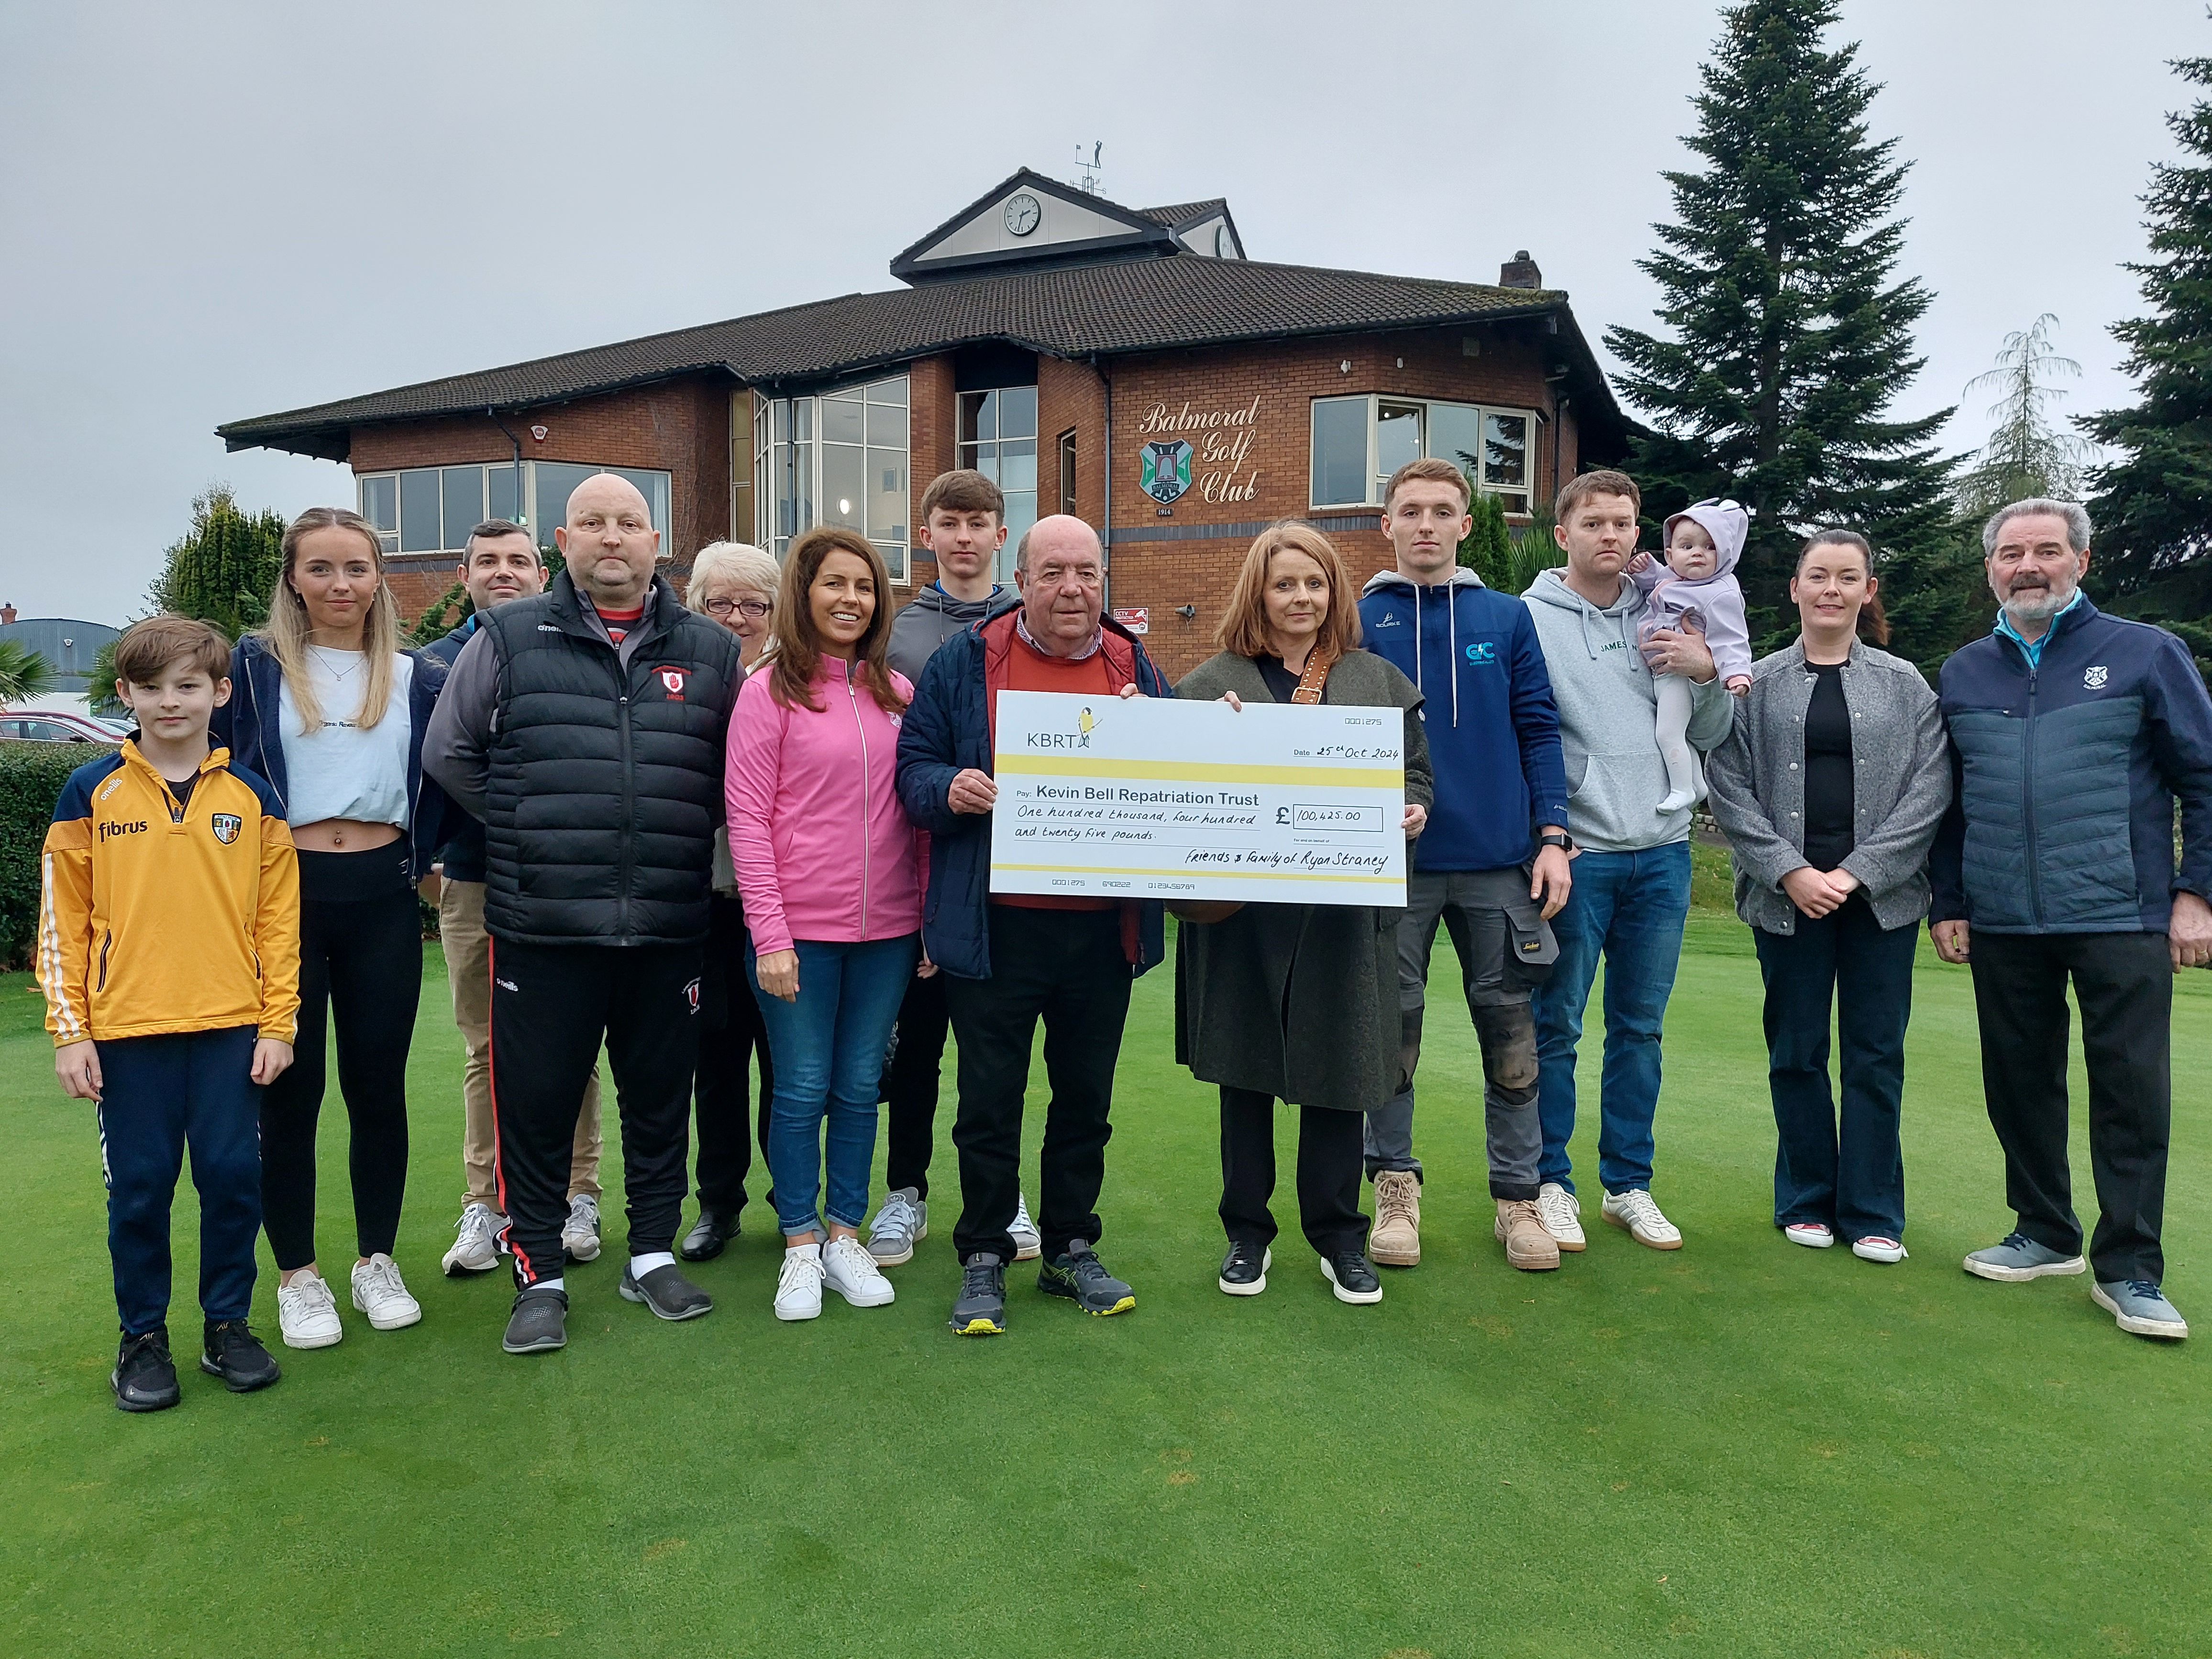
<point>823,848</point>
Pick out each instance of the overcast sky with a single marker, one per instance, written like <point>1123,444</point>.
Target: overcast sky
<point>218,210</point>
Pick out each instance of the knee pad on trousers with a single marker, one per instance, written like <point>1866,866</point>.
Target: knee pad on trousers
<point>1508,1033</point>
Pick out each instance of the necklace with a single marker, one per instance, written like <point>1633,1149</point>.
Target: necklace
<point>323,655</point>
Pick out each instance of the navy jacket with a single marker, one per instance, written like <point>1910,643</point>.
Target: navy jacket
<point>1492,726</point>
<point>463,854</point>
<point>947,729</point>
<point>247,725</point>
<point>2066,775</point>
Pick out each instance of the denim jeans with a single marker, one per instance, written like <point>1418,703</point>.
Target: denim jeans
<point>828,1052</point>
<point>1629,908</point>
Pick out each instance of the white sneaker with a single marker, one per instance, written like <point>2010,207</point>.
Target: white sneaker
<point>798,1284</point>
<point>903,1223</point>
<point>850,1270</point>
<point>379,1293</point>
<point>1887,1251</point>
<point>1812,1235</point>
<point>1029,1243</point>
<point>307,1314</point>
<point>1635,1212</point>
<point>1561,1212</point>
<point>475,1241</point>
<point>580,1233</point>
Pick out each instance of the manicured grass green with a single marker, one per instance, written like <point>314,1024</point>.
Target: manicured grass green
<point>1742,1449</point>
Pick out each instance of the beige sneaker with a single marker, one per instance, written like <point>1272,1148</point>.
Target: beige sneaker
<point>1396,1241</point>
<point>1527,1246</point>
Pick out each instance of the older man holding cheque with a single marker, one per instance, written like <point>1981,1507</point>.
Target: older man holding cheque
<point>1293,1001</point>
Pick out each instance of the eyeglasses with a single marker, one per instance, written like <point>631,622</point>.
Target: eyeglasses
<point>753,609</point>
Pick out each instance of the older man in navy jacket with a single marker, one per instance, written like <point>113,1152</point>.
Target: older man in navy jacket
<point>2073,734</point>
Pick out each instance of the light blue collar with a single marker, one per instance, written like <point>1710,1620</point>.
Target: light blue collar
<point>2032,649</point>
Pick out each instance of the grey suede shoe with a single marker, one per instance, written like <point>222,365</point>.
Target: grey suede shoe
<point>2021,1258</point>
<point>2140,1308</point>
<point>539,1322</point>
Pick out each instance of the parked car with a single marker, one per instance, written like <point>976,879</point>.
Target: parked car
<point>58,725</point>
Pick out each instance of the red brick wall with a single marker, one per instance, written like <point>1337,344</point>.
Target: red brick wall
<point>1272,478</point>
<point>678,427</point>
<point>930,414</point>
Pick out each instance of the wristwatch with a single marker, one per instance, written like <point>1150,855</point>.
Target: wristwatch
<point>1558,838</point>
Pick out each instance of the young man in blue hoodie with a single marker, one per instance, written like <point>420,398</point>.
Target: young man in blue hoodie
<point>1493,864</point>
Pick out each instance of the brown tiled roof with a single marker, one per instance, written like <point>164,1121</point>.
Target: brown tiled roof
<point>1104,308</point>
<point>1181,213</point>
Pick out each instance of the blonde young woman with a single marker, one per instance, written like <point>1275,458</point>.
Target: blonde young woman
<point>734,585</point>
<point>329,707</point>
<point>1296,1002</point>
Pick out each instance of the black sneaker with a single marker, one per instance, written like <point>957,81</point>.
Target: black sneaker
<point>539,1322</point>
<point>668,1293</point>
<point>1352,1276</point>
<point>234,1353</point>
<point>709,1234</point>
<point>1244,1269</point>
<point>981,1308</point>
<point>1080,1277</point>
<point>145,1377</point>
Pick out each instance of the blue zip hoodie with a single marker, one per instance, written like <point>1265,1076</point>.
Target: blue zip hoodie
<point>1493,729</point>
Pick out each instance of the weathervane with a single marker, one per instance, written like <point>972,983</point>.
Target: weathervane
<point>1090,169</point>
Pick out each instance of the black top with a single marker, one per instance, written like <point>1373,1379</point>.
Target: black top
<point>1829,798</point>
<point>1281,683</point>
<point>182,789</point>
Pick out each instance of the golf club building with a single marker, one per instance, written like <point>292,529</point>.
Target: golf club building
<point>1127,365</point>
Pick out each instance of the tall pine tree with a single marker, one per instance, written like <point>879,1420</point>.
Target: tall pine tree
<point>2153,507</point>
<point>1789,335</point>
<point>225,567</point>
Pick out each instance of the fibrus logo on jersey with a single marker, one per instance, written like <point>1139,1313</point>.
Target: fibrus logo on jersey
<point>673,679</point>
<point>691,995</point>
<point>2094,678</point>
<point>226,826</point>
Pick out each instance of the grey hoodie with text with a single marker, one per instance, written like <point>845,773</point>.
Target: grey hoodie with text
<point>1608,717</point>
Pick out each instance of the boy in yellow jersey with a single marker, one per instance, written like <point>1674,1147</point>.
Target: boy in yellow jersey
<point>168,950</point>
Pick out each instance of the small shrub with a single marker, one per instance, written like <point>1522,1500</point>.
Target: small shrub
<point>31,779</point>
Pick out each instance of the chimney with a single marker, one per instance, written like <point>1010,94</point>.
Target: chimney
<point>7,616</point>
<point>1520,271</point>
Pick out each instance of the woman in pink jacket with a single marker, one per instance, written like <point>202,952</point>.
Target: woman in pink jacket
<point>830,873</point>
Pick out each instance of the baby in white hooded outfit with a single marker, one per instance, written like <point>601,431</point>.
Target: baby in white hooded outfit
<point>1695,592</point>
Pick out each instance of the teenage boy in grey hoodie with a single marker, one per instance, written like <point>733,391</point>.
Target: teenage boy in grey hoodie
<point>1632,880</point>
<point>963,526</point>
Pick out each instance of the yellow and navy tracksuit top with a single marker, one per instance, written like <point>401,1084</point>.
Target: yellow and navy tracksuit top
<point>154,921</point>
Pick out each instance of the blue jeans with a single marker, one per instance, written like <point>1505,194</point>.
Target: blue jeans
<point>829,1052</point>
<point>1629,908</point>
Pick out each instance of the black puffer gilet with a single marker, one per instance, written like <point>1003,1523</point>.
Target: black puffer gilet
<point>606,779</point>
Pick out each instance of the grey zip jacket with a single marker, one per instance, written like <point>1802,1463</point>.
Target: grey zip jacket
<point>931,617</point>
<point>1609,718</point>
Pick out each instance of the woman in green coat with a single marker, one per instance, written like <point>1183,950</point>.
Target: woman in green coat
<point>1296,1002</point>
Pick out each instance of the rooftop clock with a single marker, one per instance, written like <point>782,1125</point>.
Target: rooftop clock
<point>1023,212</point>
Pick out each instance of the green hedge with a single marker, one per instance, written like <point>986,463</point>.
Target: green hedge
<point>31,779</point>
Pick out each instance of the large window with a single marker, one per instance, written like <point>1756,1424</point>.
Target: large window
<point>999,438</point>
<point>431,509</point>
<point>1358,442</point>
<point>834,458</point>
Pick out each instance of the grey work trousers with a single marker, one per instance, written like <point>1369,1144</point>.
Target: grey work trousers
<point>1472,905</point>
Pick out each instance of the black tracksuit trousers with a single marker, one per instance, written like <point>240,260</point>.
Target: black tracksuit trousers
<point>731,1037</point>
<point>2125,982</point>
<point>550,1006</point>
<point>911,1078</point>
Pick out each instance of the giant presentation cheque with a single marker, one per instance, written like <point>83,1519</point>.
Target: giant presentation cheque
<point>1149,797</point>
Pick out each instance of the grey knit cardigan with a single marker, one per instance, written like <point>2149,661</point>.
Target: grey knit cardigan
<point>1901,776</point>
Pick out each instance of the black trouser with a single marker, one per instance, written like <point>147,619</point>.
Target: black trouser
<point>1329,1172</point>
<point>550,1005</point>
<point>360,965</point>
<point>1068,966</point>
<point>1851,1178</point>
<point>730,1035</point>
<point>910,1083</point>
<point>2124,983</point>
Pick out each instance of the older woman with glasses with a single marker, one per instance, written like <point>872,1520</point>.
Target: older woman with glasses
<point>735,585</point>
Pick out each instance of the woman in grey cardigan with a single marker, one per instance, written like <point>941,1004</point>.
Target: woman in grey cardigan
<point>1296,1001</point>
<point>1829,791</point>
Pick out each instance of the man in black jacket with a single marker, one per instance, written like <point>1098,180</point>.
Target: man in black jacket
<point>499,563</point>
<point>586,727</point>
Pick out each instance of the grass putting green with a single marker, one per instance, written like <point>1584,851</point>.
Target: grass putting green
<point>1740,1449</point>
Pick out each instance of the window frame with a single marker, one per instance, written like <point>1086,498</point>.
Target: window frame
<point>768,500</point>
<point>525,500</point>
<point>1376,479</point>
